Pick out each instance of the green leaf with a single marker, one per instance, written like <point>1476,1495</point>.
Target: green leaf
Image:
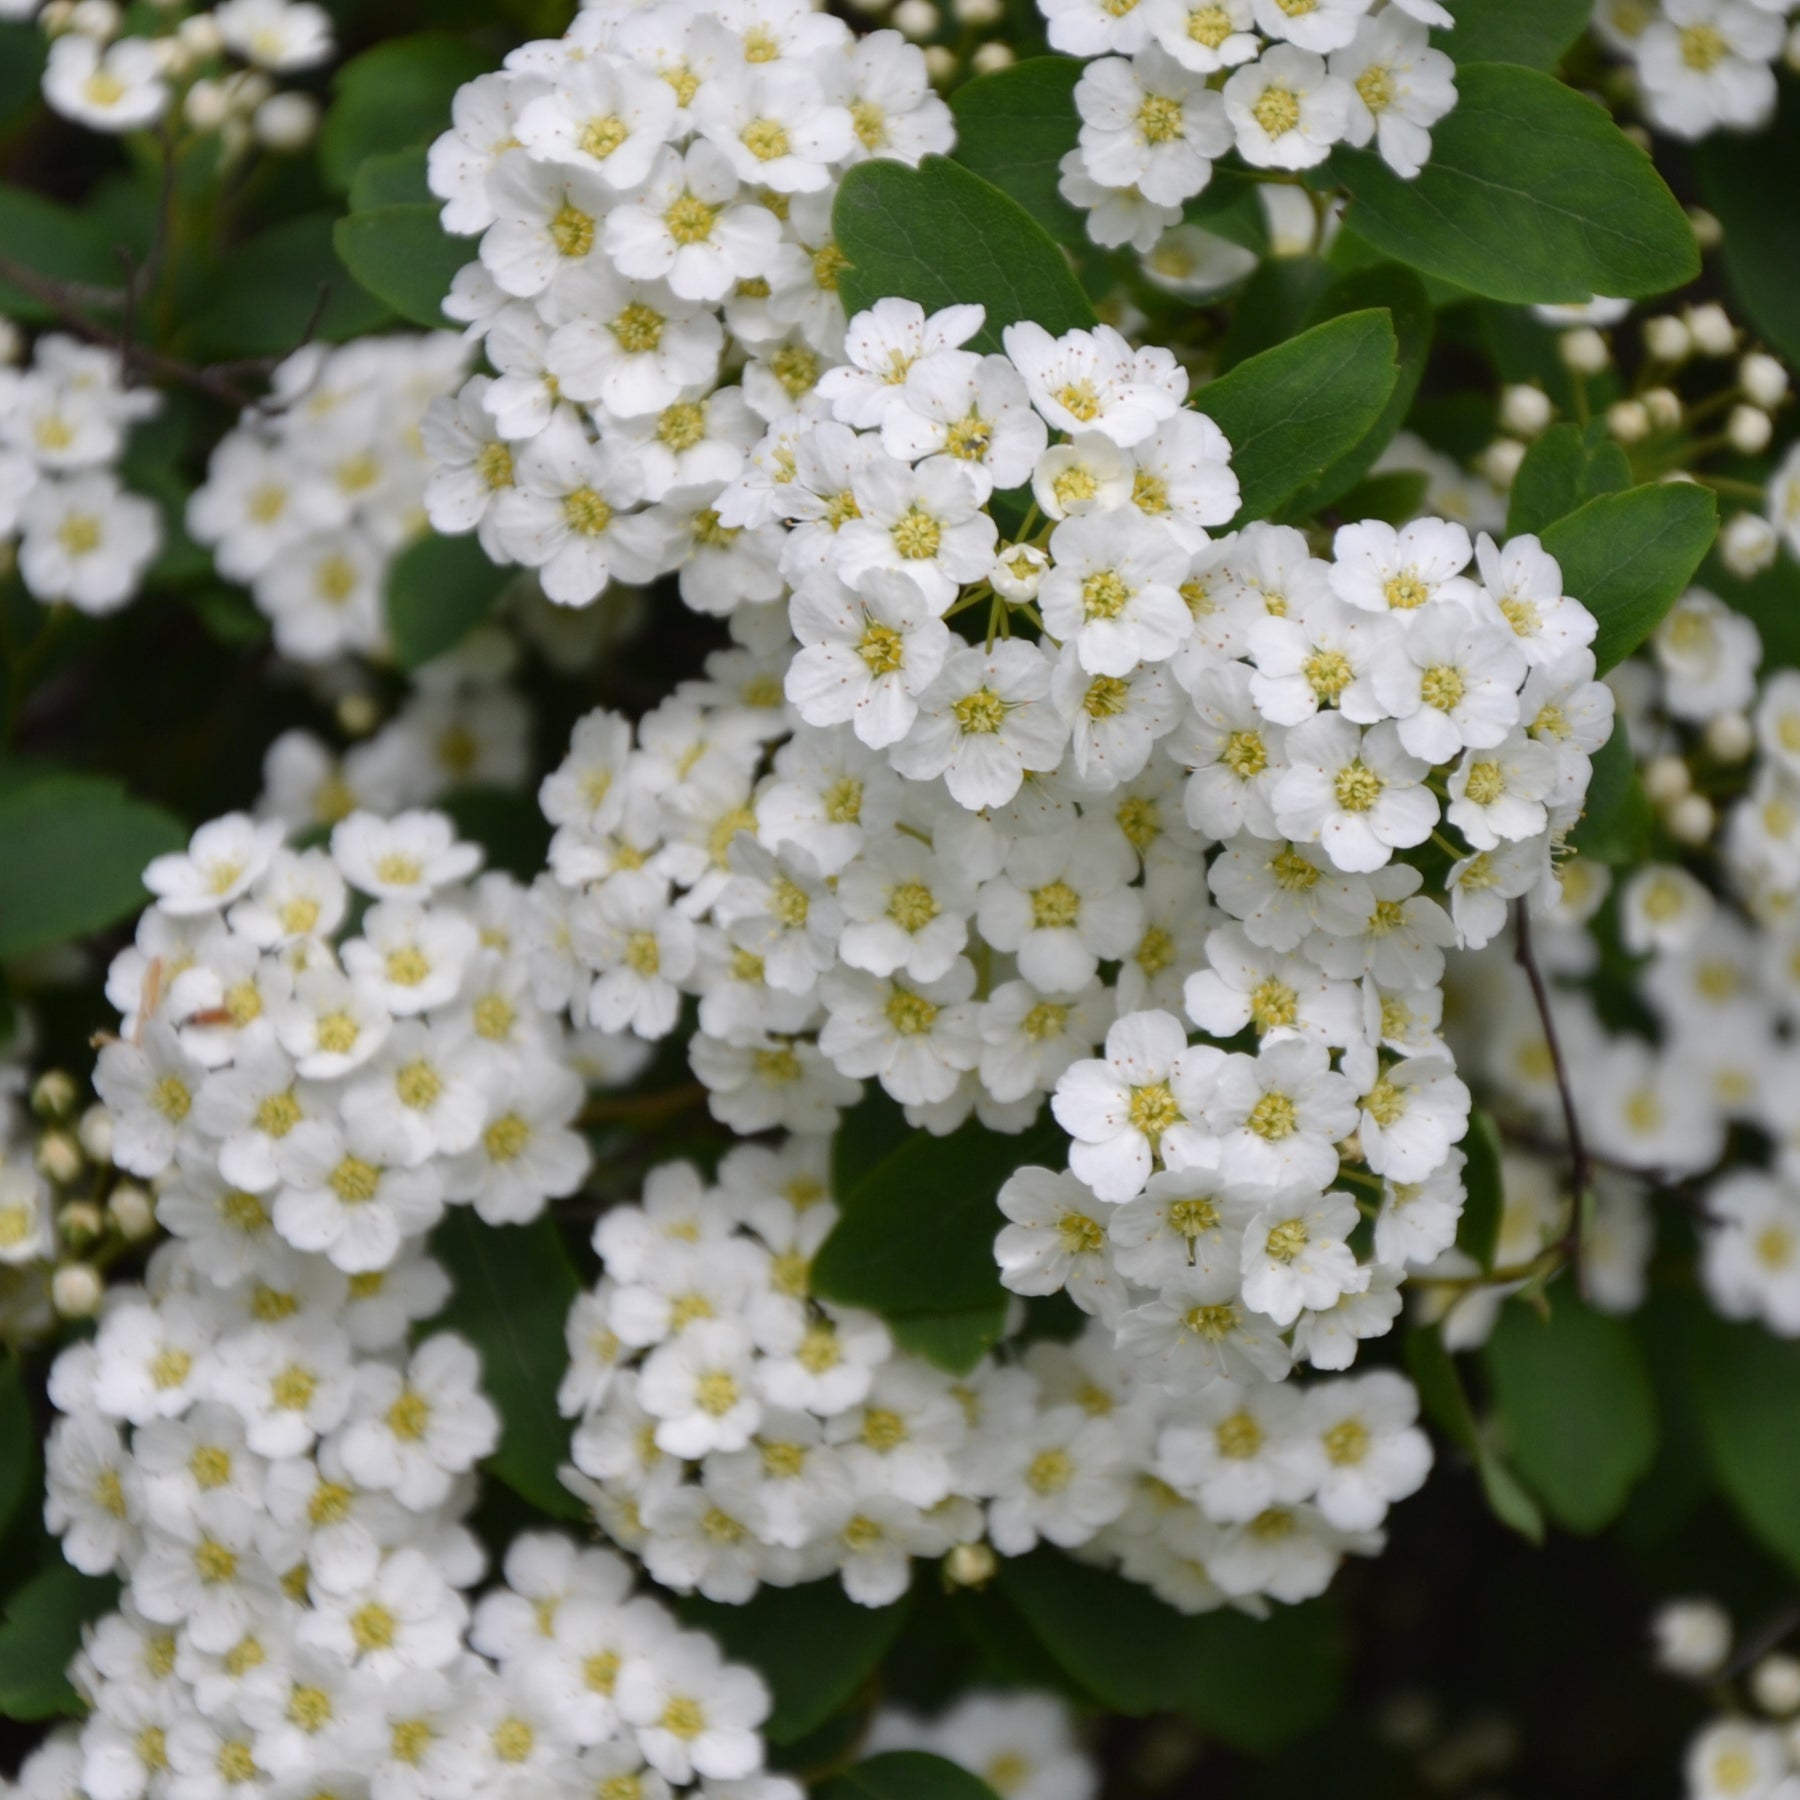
<point>1744,1383</point>
<point>397,179</point>
<point>507,823</point>
<point>1276,302</point>
<point>1395,496</point>
<point>438,590</point>
<point>1532,194</point>
<point>1615,823</point>
<point>1628,557</point>
<point>904,1775</point>
<point>813,1645</point>
<point>917,1231</point>
<point>1575,1406</point>
<point>1253,1683</point>
<point>402,255</point>
<point>941,236</point>
<point>1014,127</point>
<point>39,1637</point>
<point>954,1341</point>
<point>73,849</point>
<point>1484,1194</point>
<point>1563,470</point>
<point>18,1442</point>
<point>1533,32</point>
<point>54,241</point>
<point>269,290</point>
<point>23,49</point>
<point>1746,179</point>
<point>392,97</point>
<point>514,1287</point>
<point>1446,1404</point>
<point>1402,294</point>
<point>1291,412</point>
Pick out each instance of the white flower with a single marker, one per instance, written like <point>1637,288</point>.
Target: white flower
<point>223,859</point>
<point>1279,1113</point>
<point>775,127</point>
<point>1236,759</point>
<point>1137,1105</point>
<point>1091,381</point>
<point>1524,582</point>
<point>85,539</point>
<point>867,653</point>
<point>688,226</point>
<point>925,522</point>
<point>973,409</point>
<point>1063,1480</point>
<point>410,1433</point>
<point>410,855</point>
<point>1112,591</point>
<point>1056,1241</point>
<point>1198,1331</point>
<point>1412,1113</point>
<point>600,117</point>
<point>1061,905</point>
<point>1451,680</point>
<point>1705,63</point>
<point>1286,109</point>
<point>1382,569</point>
<point>1356,793</point>
<point>1499,794</point>
<point>115,88</point>
<point>1237,1450</point>
<point>881,348</point>
<point>916,1038</point>
<point>1369,1449</point>
<point>1150,124</point>
<point>1400,87</point>
<point>1294,1254</point>
<point>640,946</point>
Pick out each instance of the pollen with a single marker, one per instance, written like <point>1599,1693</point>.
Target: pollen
<point>639,329</point>
<point>766,139</point>
<point>882,649</point>
<point>1160,119</point>
<point>1050,1472</point>
<point>1443,687</point>
<point>910,1014</point>
<point>1055,907</point>
<point>912,906</point>
<point>572,231</point>
<point>690,220</point>
<point>1105,594</point>
<point>586,513</point>
<point>1287,1240</point>
<point>1486,783</point>
<point>917,535</point>
<point>980,714</point>
<point>1357,787</point>
<point>1245,754</point>
<point>1238,1437</point>
<point>1153,1109</point>
<point>1273,1118</point>
<point>601,136</point>
<point>1277,110</point>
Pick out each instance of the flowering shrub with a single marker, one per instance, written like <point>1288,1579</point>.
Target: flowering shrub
<point>897,901</point>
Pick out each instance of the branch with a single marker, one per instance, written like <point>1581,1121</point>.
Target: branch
<point>1581,1168</point>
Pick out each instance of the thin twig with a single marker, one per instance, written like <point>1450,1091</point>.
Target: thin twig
<point>1581,1168</point>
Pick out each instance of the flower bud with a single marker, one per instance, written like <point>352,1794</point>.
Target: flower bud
<point>206,106</point>
<point>991,56</point>
<point>130,1212</point>
<point>1775,1685</point>
<point>200,33</point>
<point>1693,1638</point>
<point>916,19</point>
<point>59,1157</point>
<point>75,1291</point>
<point>1763,379</point>
<point>1712,330</point>
<point>1748,430</point>
<point>55,1094</point>
<point>357,714</point>
<point>1628,421</point>
<point>1748,545</point>
<point>978,12</point>
<point>1691,819</point>
<point>970,1565</point>
<point>1709,234</point>
<point>286,123</point>
<point>95,1134</point>
<point>1667,339</point>
<point>1666,779</point>
<point>1664,407</point>
<point>12,343</point>
<point>1730,737</point>
<point>1499,462</point>
<point>97,19</point>
<point>1019,572</point>
<point>81,1224</point>
<point>1524,410</point>
<point>940,62</point>
<point>1584,350</point>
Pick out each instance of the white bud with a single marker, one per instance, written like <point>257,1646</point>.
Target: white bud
<point>201,35</point>
<point>940,62</point>
<point>1730,737</point>
<point>1775,1684</point>
<point>96,1134</point>
<point>1293,223</point>
<point>59,1157</point>
<point>357,714</point>
<point>1748,545</point>
<point>970,1565</point>
<point>1664,407</point>
<point>916,18</point>
<point>1584,350</point>
<point>132,1215</point>
<point>1666,780</point>
<point>97,19</point>
<point>1019,572</point>
<point>55,17</point>
<point>1524,410</point>
<point>247,90</point>
<point>1712,330</point>
<point>1693,1638</point>
<point>1628,421</point>
<point>12,343</point>
<point>287,122</point>
<point>991,56</point>
<point>1763,379</point>
<point>75,1291</point>
<point>978,12</point>
<point>1667,339</point>
<point>1499,462</point>
<point>1748,430</point>
<point>206,106</point>
<point>1792,53</point>
<point>172,57</point>
<point>1709,234</point>
<point>1691,819</point>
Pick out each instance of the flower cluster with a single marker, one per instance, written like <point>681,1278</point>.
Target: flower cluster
<point>79,535</point>
<point>1752,1750</point>
<point>1180,83</point>
<point>310,498</point>
<point>1023,1744</point>
<point>214,68</point>
<point>654,198</point>
<point>1701,65</point>
<point>735,1429</point>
